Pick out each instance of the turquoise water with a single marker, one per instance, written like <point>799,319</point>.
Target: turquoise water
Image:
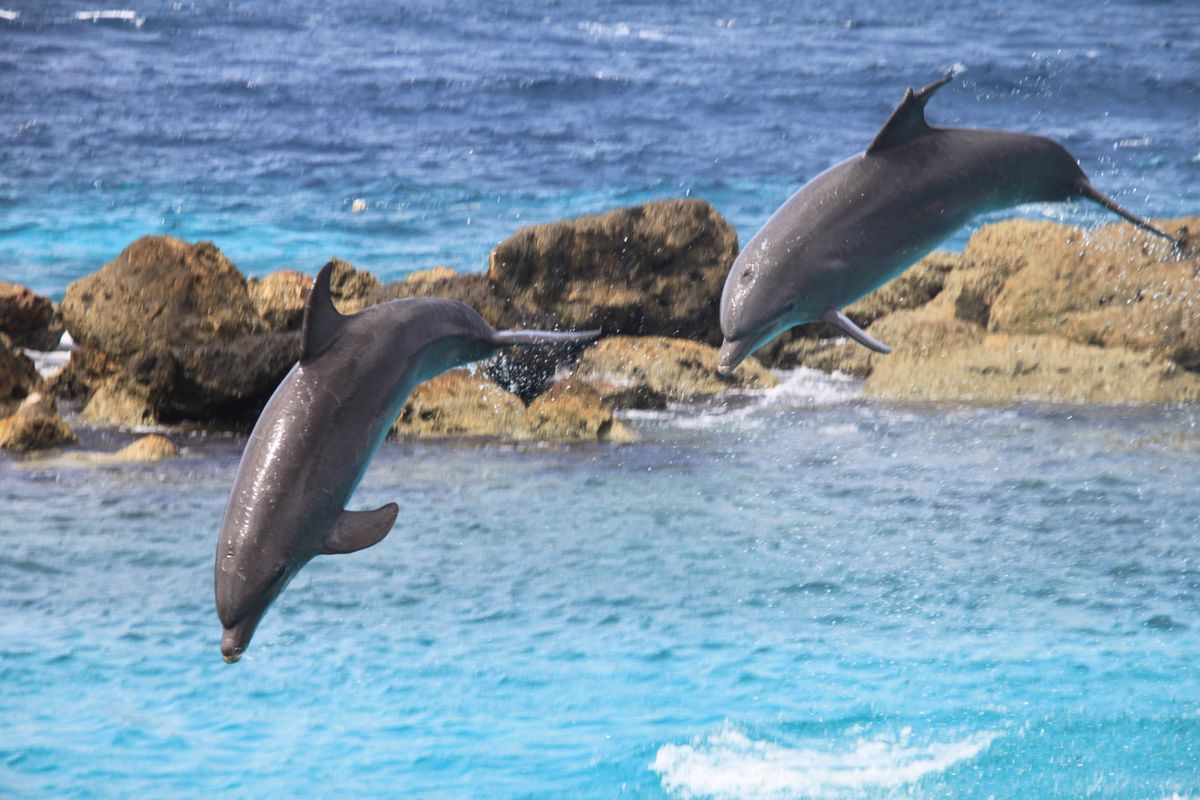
<point>257,125</point>
<point>797,595</point>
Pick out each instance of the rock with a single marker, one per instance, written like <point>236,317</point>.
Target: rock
<point>147,449</point>
<point>828,355</point>
<point>159,290</point>
<point>430,275</point>
<point>28,318</point>
<point>179,320</point>
<point>820,346</point>
<point>525,371</point>
<point>913,288</point>
<point>153,447</point>
<point>572,410</point>
<point>1112,286</point>
<point>462,403</point>
<point>349,285</point>
<point>474,289</point>
<point>85,370</point>
<point>19,377</point>
<point>116,402</point>
<point>1039,310</point>
<point>653,269</point>
<point>35,426</point>
<point>651,371</point>
<point>938,359</point>
<point>280,296</point>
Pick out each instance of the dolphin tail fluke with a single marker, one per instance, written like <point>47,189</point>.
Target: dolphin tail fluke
<point>1092,193</point>
<point>358,530</point>
<point>545,338</point>
<point>844,324</point>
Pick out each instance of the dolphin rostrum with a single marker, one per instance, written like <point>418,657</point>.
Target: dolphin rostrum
<point>862,222</point>
<point>317,433</point>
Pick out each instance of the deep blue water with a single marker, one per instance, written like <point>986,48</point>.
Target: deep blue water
<point>782,600</point>
<point>257,124</point>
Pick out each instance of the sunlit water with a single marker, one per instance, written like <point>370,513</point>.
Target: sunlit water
<point>257,125</point>
<point>774,599</point>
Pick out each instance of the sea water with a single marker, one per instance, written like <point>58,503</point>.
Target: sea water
<point>259,124</point>
<point>796,594</point>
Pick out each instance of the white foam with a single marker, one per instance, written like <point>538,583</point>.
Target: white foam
<point>621,30</point>
<point>1137,141</point>
<point>798,388</point>
<point>811,387</point>
<point>9,15</point>
<point>729,764</point>
<point>50,362</point>
<point>117,14</point>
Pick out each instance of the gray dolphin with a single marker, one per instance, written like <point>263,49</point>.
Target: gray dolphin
<point>311,445</point>
<point>862,222</point>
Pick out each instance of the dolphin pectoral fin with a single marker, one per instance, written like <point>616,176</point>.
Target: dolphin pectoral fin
<point>321,320</point>
<point>844,324</point>
<point>506,338</point>
<point>1092,193</point>
<point>908,118</point>
<point>358,530</point>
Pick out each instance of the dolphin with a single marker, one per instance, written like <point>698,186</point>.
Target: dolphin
<point>317,433</point>
<point>862,222</point>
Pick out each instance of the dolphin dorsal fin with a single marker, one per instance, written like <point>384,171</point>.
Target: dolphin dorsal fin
<point>908,118</point>
<point>321,320</point>
<point>358,530</point>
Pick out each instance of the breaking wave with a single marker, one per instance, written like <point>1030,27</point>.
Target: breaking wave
<point>729,764</point>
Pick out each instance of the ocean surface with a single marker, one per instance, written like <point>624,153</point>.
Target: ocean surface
<point>796,594</point>
<point>258,124</point>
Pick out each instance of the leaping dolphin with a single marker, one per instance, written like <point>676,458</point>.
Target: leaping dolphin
<point>313,441</point>
<point>862,222</point>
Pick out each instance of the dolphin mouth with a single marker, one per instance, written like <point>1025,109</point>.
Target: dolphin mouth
<point>734,352</point>
<point>236,638</point>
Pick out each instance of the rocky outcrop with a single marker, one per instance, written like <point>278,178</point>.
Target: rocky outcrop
<point>525,371</point>
<point>462,403</point>
<point>809,345</point>
<point>1108,287</point>
<point>953,360</point>
<point>652,371</point>
<point>655,269</point>
<point>154,447</point>
<point>474,289</point>
<point>36,425</point>
<point>19,378</point>
<point>28,318</point>
<point>178,321</point>
<point>573,410</point>
<point>1039,310</point>
<point>280,297</point>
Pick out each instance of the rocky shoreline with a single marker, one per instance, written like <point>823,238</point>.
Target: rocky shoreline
<point>172,333</point>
